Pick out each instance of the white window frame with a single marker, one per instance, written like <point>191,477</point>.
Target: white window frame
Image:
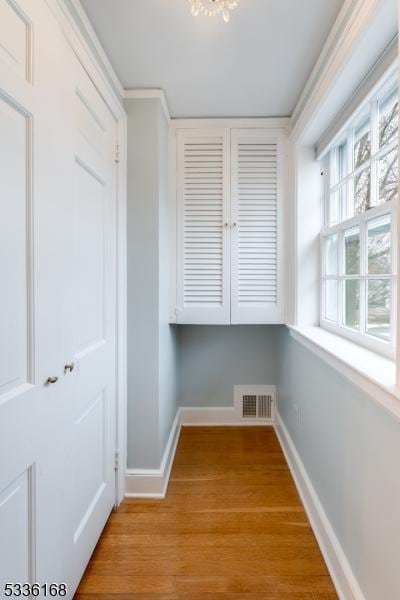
<point>360,221</point>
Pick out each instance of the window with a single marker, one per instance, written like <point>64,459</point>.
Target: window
<point>358,239</point>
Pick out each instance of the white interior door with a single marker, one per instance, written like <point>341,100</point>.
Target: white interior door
<point>34,267</point>
<point>93,391</point>
<point>58,306</point>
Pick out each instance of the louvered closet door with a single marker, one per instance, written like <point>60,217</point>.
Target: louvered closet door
<point>203,226</point>
<point>256,238</point>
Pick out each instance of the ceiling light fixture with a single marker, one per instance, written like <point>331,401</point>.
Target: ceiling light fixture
<point>212,8</point>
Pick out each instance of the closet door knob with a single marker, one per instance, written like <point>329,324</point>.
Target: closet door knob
<point>69,367</point>
<point>52,380</point>
<point>234,225</point>
<point>226,224</point>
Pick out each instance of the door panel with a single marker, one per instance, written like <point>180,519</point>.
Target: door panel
<point>15,257</point>
<point>90,258</point>
<point>17,529</point>
<point>91,446</point>
<point>15,35</point>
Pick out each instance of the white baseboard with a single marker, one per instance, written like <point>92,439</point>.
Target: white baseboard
<point>339,568</point>
<point>221,415</point>
<point>153,483</point>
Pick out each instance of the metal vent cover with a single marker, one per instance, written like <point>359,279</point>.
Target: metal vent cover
<point>255,403</point>
<point>249,405</point>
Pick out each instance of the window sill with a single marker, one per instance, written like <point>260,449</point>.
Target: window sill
<point>371,372</point>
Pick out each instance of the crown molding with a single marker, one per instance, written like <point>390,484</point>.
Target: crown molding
<point>352,22</point>
<point>148,93</point>
<point>384,68</point>
<point>94,40</point>
<point>63,14</point>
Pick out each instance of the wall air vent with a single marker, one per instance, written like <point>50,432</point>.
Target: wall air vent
<point>255,403</point>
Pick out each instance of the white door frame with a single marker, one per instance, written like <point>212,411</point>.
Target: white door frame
<point>113,99</point>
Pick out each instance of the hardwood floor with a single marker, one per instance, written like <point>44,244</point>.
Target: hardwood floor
<point>232,526</point>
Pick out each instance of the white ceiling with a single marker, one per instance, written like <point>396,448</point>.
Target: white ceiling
<point>257,65</point>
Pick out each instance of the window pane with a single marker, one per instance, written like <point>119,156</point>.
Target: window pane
<point>362,143</point>
<point>388,177</point>
<point>362,192</point>
<point>340,162</point>
<point>331,255</point>
<point>388,119</point>
<point>352,303</point>
<point>379,247</point>
<point>334,208</point>
<point>378,320</point>
<point>331,309</point>
<point>352,251</point>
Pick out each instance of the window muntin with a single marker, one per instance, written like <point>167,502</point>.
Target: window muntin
<point>358,238</point>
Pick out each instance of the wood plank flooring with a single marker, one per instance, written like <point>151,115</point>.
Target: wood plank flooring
<point>231,527</point>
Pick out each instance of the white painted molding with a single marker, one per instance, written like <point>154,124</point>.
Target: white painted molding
<point>339,568</point>
<point>373,374</point>
<point>85,55</point>
<point>370,85</point>
<point>153,483</point>
<point>279,123</point>
<point>198,416</point>
<point>90,32</point>
<point>323,60</point>
<point>122,311</point>
<point>141,93</point>
<point>352,21</point>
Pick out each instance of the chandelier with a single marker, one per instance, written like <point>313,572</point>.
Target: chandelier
<point>212,8</point>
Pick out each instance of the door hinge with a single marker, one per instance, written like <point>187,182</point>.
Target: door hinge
<point>116,464</point>
<point>117,154</point>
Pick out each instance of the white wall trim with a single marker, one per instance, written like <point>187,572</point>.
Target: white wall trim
<point>281,123</point>
<point>339,568</point>
<point>370,85</point>
<point>81,13</point>
<point>198,416</point>
<point>347,30</point>
<point>153,483</point>
<point>141,93</point>
<point>122,314</point>
<point>86,57</point>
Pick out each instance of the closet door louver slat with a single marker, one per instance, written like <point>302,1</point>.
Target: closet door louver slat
<point>256,175</point>
<point>203,240</point>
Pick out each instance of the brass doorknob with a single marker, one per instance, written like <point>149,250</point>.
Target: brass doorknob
<point>69,367</point>
<point>52,380</point>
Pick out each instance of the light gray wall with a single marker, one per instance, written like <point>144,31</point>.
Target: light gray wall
<point>151,341</point>
<point>143,283</point>
<point>350,448</point>
<point>212,359</point>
